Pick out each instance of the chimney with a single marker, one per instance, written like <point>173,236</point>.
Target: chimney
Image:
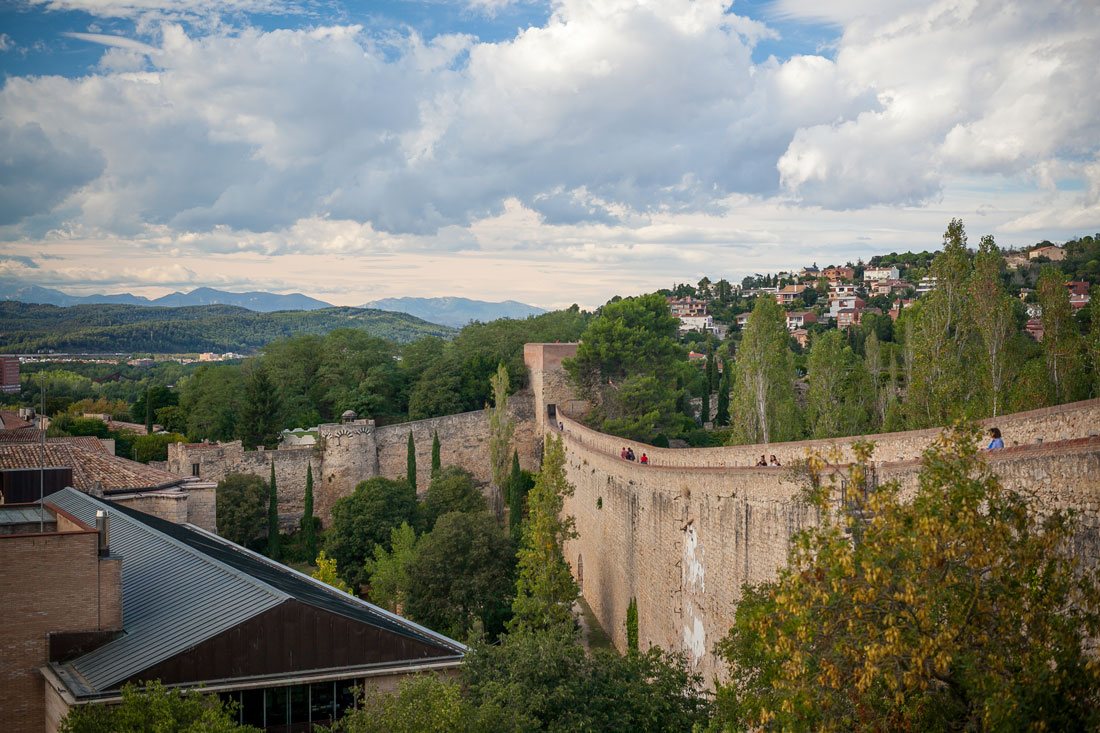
<point>103,526</point>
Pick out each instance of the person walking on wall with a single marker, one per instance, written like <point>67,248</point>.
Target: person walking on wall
<point>630,454</point>
<point>995,439</point>
<point>762,462</point>
<point>622,453</point>
<point>773,461</point>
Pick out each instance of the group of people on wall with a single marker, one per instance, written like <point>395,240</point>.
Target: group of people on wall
<point>627,454</point>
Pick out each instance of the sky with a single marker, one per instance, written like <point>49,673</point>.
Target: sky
<point>551,152</point>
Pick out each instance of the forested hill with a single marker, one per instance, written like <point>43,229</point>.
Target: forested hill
<point>27,328</point>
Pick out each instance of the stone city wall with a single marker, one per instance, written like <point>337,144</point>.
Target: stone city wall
<point>348,453</point>
<point>683,539</point>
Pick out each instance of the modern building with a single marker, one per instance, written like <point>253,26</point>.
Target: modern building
<point>834,274</point>
<point>849,301</point>
<point>9,374</point>
<point>98,595</point>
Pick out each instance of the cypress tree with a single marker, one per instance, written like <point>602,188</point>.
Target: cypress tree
<point>723,415</point>
<point>632,626</point>
<point>437,463</point>
<point>517,493</point>
<point>309,524</point>
<point>273,518</point>
<point>704,410</point>
<point>410,463</point>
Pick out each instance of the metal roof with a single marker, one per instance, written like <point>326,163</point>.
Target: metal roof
<point>24,514</point>
<point>182,585</point>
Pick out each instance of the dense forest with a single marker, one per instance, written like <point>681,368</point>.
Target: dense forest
<point>29,328</point>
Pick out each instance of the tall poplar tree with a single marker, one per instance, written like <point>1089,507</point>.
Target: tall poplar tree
<point>991,312</point>
<point>545,589</point>
<point>1062,347</point>
<point>273,547</point>
<point>148,411</point>
<point>1094,340</point>
<point>763,390</point>
<point>942,340</point>
<point>410,463</point>
<point>501,427</point>
<point>839,398</point>
<point>309,522</point>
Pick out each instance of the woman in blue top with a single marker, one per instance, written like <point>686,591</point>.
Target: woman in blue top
<point>996,441</point>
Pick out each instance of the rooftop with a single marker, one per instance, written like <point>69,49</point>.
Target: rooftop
<point>182,587</point>
<point>93,469</point>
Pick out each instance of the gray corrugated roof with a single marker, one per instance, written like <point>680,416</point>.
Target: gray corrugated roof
<point>182,585</point>
<point>24,514</point>
<point>173,596</point>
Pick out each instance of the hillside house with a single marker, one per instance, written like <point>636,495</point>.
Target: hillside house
<point>742,319</point>
<point>925,286</point>
<point>840,290</point>
<point>802,336</point>
<point>788,294</point>
<point>849,301</point>
<point>889,287</point>
<point>687,306</point>
<point>881,273</point>
<point>835,274</point>
<point>1052,252</point>
<point>800,319</point>
<point>696,323</point>
<point>895,309</point>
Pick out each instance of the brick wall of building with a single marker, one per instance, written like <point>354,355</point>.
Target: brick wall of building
<point>48,583</point>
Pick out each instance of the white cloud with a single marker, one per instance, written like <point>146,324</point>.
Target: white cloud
<point>6,43</point>
<point>621,132</point>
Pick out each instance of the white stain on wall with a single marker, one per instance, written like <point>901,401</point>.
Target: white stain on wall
<point>693,585</point>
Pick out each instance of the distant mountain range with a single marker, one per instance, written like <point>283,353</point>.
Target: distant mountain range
<point>455,312</point>
<point>255,301</point>
<point>112,328</point>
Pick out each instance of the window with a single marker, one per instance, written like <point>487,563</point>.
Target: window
<point>194,469</point>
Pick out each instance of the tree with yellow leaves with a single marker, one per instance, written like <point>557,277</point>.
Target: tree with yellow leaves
<point>956,608</point>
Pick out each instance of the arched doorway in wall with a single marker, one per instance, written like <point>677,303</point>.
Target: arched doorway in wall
<point>580,572</point>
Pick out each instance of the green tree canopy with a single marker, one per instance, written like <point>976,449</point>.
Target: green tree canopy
<point>365,519</point>
<point>453,490</point>
<point>628,350</point>
<point>461,579</point>
<point>957,609</point>
<point>388,570</point>
<point>841,392</point>
<point>242,509</point>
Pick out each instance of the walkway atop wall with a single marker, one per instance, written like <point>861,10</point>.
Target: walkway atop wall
<point>1023,431</point>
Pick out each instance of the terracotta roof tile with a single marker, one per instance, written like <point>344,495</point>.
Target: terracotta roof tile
<point>12,421</point>
<point>92,469</point>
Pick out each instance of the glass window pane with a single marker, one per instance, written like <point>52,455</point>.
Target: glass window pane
<point>299,704</point>
<point>345,696</point>
<point>252,708</point>
<point>276,706</point>
<point>321,698</point>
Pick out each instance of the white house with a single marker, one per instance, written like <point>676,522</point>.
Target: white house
<point>881,273</point>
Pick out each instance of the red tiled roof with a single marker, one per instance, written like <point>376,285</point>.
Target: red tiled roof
<point>21,435</point>
<point>12,421</point>
<point>91,468</point>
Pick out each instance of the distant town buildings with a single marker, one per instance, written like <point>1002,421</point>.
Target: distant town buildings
<point>800,319</point>
<point>788,294</point>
